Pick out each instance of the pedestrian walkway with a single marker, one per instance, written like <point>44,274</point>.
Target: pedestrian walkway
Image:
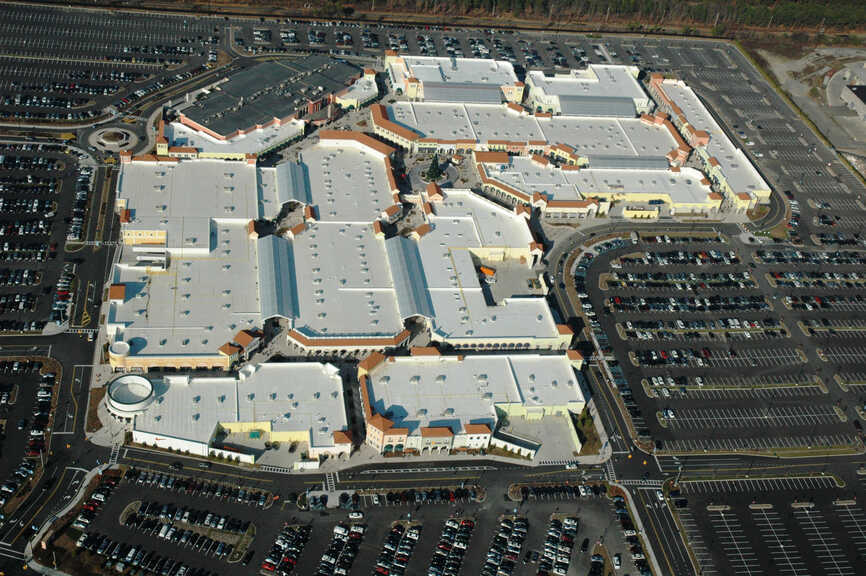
<point>115,453</point>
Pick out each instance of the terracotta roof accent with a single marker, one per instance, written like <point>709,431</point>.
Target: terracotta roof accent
<point>424,351</point>
<point>182,150</point>
<point>536,246</point>
<point>377,228</point>
<point>394,432</point>
<point>412,80</point>
<point>298,229</point>
<point>229,349</point>
<point>428,208</point>
<point>519,84</point>
<point>522,209</point>
<point>359,137</point>
<point>436,432</point>
<point>492,157</point>
<point>563,329</point>
<point>714,196</point>
<point>154,158</point>
<point>160,135</point>
<point>392,182</point>
<point>422,229</point>
<point>482,174</point>
<point>368,71</point>
<point>309,212</point>
<point>379,422</point>
<point>574,355</point>
<point>246,337</point>
<point>250,158</point>
<point>476,428</point>
<point>539,159</point>
<point>251,229</point>
<point>377,342</point>
<point>570,168</point>
<point>487,271</point>
<point>117,292</point>
<point>393,209</point>
<point>126,216</point>
<point>515,107</point>
<point>380,118</point>
<point>744,196</point>
<point>537,142</point>
<point>342,437</point>
<point>543,115</point>
<point>705,182</point>
<point>539,198</point>
<point>434,191</point>
<point>712,161</point>
<point>370,362</point>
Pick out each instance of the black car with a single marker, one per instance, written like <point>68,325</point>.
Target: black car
<point>584,546</point>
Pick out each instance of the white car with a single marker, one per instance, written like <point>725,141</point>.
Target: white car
<point>356,515</point>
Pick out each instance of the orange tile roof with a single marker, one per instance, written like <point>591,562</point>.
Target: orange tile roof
<point>117,292</point>
<point>229,349</point>
<point>422,229</point>
<point>377,227</point>
<point>342,437</point>
<point>371,361</point>
<point>476,428</point>
<point>380,118</point>
<point>744,196</point>
<point>246,337</point>
<point>393,209</point>
<point>379,422</point>
<point>493,157</point>
<point>436,432</point>
<point>574,355</point>
<point>563,329</point>
<point>424,351</point>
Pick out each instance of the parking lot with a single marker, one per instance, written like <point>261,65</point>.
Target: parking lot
<point>94,63</point>
<point>155,520</point>
<point>766,527</point>
<point>45,199</point>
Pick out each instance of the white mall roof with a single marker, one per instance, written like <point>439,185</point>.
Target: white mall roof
<point>530,177</point>
<point>456,79</point>
<point>341,282</point>
<point>346,183</point>
<point>293,397</point>
<point>421,391</point>
<point>629,137</point>
<point>183,197</point>
<point>596,80</point>
<point>437,276</point>
<point>254,142</point>
<point>194,307</point>
<point>363,90</point>
<point>738,170</point>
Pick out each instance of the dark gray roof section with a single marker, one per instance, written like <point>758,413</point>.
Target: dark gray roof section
<point>273,89</point>
<point>407,272</point>
<point>597,106</point>
<point>293,183</point>
<point>277,278</point>
<point>468,92</point>
<point>629,162</point>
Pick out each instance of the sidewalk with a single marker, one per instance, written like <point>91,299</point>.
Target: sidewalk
<point>73,502</point>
